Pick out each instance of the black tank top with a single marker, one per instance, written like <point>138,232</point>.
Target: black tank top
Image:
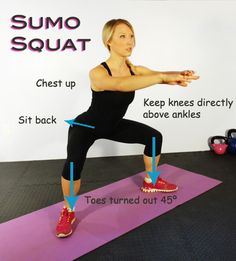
<point>107,108</point>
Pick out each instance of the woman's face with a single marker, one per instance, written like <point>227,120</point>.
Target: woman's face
<point>122,42</point>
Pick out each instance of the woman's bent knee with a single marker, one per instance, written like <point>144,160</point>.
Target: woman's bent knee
<point>76,171</point>
<point>158,143</point>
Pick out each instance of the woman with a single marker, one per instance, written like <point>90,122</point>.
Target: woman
<point>113,85</point>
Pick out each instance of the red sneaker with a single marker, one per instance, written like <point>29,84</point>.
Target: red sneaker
<point>64,226</point>
<point>161,186</point>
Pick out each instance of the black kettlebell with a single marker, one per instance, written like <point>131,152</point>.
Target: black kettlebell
<point>232,141</point>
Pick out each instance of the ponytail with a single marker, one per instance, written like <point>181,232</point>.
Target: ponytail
<point>131,66</point>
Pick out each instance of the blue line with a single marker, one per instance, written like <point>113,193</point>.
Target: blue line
<point>73,122</point>
<point>71,179</point>
<point>85,125</point>
<point>153,154</point>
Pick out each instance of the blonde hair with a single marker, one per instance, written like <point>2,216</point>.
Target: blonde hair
<point>108,31</point>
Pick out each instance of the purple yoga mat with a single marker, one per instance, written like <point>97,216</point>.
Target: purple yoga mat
<point>32,236</point>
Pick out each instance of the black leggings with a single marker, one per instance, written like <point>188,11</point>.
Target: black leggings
<point>81,138</point>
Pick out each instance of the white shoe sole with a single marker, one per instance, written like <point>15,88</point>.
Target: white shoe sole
<point>157,190</point>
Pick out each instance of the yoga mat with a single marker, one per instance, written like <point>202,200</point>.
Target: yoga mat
<point>32,236</point>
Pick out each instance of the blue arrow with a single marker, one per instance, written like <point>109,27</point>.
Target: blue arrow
<point>71,199</point>
<point>72,122</point>
<point>154,174</point>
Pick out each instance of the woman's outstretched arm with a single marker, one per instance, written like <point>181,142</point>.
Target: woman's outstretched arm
<point>170,77</point>
<point>143,78</point>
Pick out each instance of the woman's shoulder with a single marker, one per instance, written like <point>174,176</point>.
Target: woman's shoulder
<point>97,70</point>
<point>96,74</point>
